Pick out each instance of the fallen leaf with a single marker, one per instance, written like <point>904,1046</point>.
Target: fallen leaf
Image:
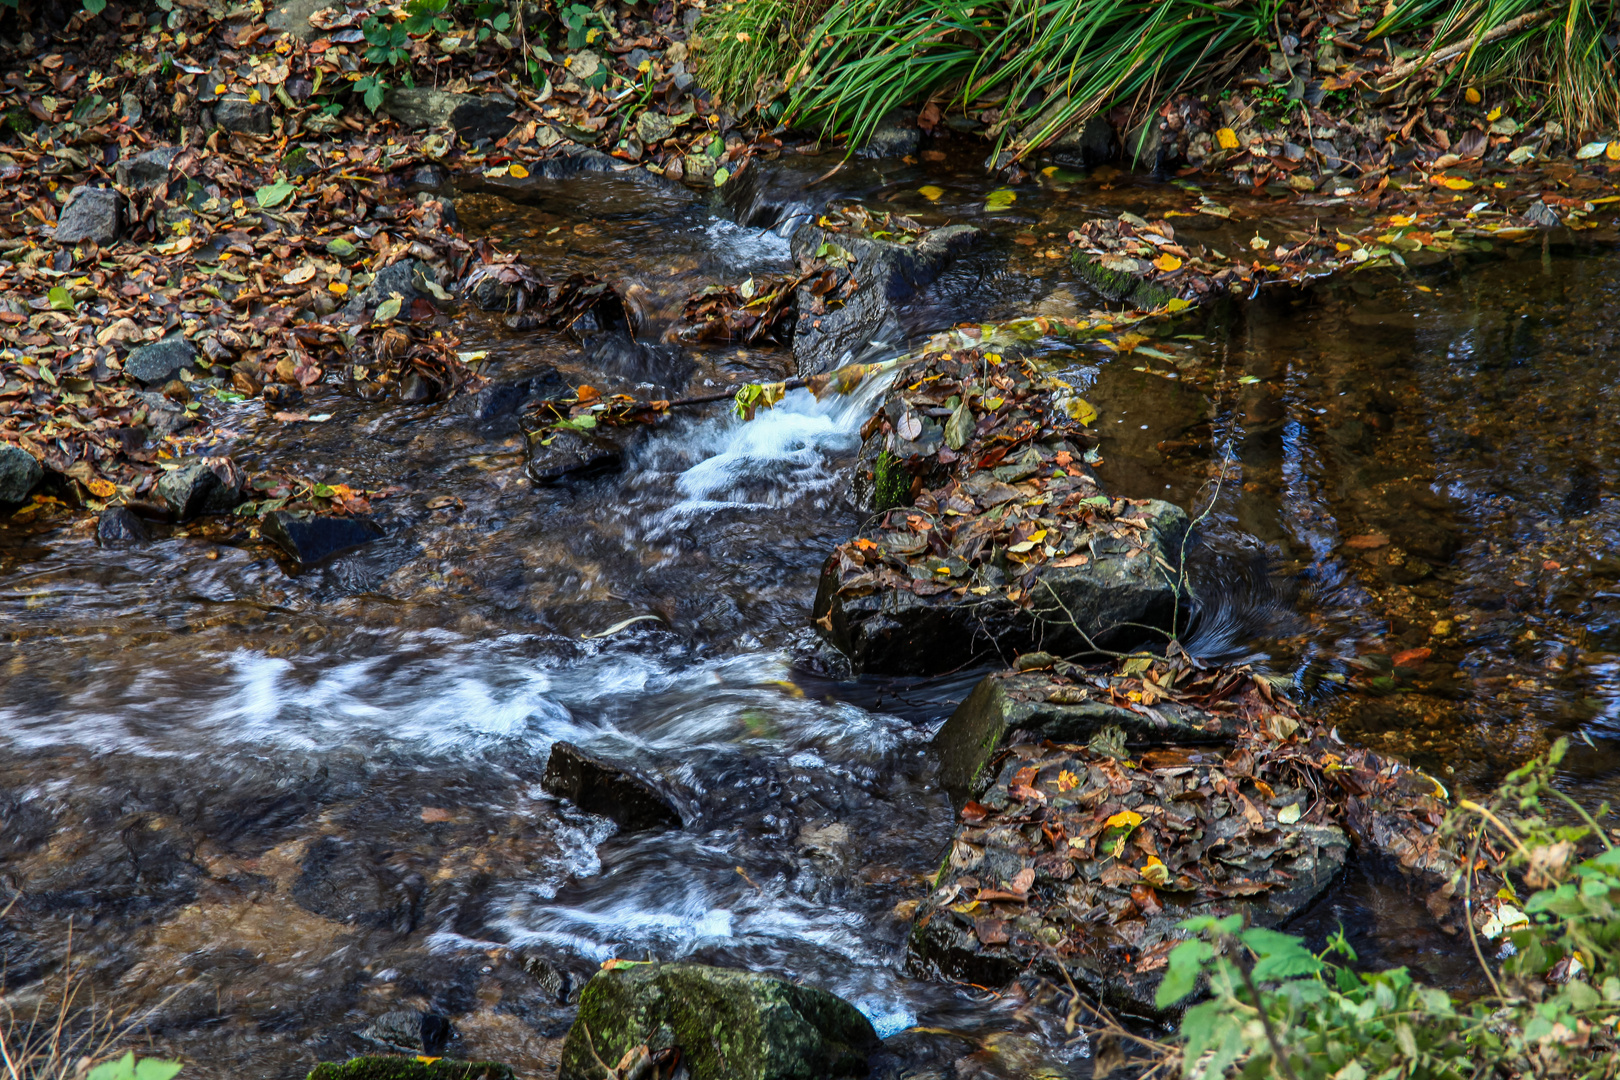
<point>1592,150</point>
<point>1227,138</point>
<point>101,489</point>
<point>930,192</point>
<point>1411,657</point>
<point>434,814</point>
<point>518,171</point>
<point>1367,541</point>
<point>298,276</point>
<point>1472,96</point>
<point>1289,814</point>
<point>1167,263</point>
<point>272,195</point>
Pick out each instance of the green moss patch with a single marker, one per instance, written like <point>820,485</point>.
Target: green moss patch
<point>404,1068</point>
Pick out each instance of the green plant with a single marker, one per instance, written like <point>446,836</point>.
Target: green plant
<point>127,1068</point>
<point>577,20</point>
<point>387,42</point>
<point>426,17</point>
<point>746,45</point>
<point>1275,1009</point>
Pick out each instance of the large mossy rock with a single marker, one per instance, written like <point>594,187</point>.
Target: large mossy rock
<point>1123,585</point>
<point>1056,709</point>
<point>728,1024</point>
<point>885,274</point>
<point>409,1068</point>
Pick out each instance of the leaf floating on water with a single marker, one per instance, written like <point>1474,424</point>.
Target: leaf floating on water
<point>272,195</point>
<point>930,192</point>
<point>1000,199</point>
<point>1081,410</point>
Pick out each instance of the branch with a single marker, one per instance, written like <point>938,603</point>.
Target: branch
<point>1512,26</point>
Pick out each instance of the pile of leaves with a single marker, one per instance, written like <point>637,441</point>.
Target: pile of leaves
<point>761,307</point>
<point>1088,856</point>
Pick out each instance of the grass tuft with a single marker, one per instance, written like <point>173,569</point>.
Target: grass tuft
<point>744,49</point>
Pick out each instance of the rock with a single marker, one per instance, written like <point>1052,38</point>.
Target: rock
<point>352,882</point>
<point>897,631</point>
<point>1122,857</point>
<point>94,214</point>
<point>498,401</point>
<point>161,361</point>
<point>728,1024</point>
<point>1039,705</point>
<point>1541,215</point>
<point>896,135</point>
<point>409,1068</point>
<point>557,454</point>
<point>293,17</point>
<point>653,127</point>
<point>236,113</point>
<point>1144,146</point>
<point>427,177</point>
<point>118,526</point>
<point>600,787</point>
<point>399,277</point>
<point>1090,145</point>
<point>20,473</point>
<point>410,1032</point>
<point>310,538</point>
<point>143,172</point>
<point>886,273</point>
<point>472,117</point>
<point>201,486</point>
<point>698,170</point>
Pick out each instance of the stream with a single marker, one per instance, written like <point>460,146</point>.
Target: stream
<point>260,807</point>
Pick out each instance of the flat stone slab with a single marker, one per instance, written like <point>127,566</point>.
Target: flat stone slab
<point>727,1024</point>
<point>312,538</point>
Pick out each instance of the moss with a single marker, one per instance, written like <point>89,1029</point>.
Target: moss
<point>404,1068</point>
<point>891,483</point>
<point>1120,286</point>
<point>17,121</point>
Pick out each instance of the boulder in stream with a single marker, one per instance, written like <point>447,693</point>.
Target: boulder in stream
<point>201,486</point>
<point>557,454</point>
<point>727,1024</point>
<point>409,1068</point>
<point>20,473</point>
<point>310,538</point>
<point>118,526</point>
<point>598,786</point>
<point>833,327</point>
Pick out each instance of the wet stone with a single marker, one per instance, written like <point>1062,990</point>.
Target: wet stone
<point>237,113</point>
<point>409,1068</point>
<point>560,454</point>
<point>896,135</point>
<point>310,538</point>
<point>20,473</point>
<point>94,214</point>
<point>612,791</point>
<point>1046,706</point>
<point>399,278</point>
<point>201,486</point>
<point>1075,863</point>
<point>118,526</point>
<point>293,17</point>
<point>161,361</point>
<point>728,1024</point>
<point>409,1032</point>
<point>354,882</point>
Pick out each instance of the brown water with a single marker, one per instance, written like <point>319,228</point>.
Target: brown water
<point>269,806</point>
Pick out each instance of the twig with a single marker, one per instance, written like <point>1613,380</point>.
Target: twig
<point>1512,26</point>
<point>1277,1053</point>
<point>1468,911</point>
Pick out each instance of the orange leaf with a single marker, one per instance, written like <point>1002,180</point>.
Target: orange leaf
<point>1167,263</point>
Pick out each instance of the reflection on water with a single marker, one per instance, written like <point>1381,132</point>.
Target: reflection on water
<point>273,805</point>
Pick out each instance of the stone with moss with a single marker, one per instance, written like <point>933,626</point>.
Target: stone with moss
<point>728,1024</point>
<point>404,1068</point>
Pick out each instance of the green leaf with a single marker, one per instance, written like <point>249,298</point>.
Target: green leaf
<point>959,428</point>
<point>1181,976</point>
<point>721,176</point>
<point>388,310</point>
<point>60,298</point>
<point>271,195</point>
<point>95,7</point>
<point>340,247</point>
<point>154,1069</point>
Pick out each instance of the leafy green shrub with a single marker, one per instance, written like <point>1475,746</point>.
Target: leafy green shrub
<point>1276,1009</point>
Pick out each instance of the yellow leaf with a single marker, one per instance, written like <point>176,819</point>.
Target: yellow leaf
<point>1021,547</point>
<point>1167,263</point>
<point>1341,246</point>
<point>220,89</point>
<point>1227,138</point>
<point>338,287</point>
<point>1125,819</point>
<point>1613,152</point>
<point>1176,303</point>
<point>101,489</point>
<point>931,193</point>
<point>253,97</point>
<point>518,171</point>
<point>1472,96</point>
<point>1154,872</point>
<point>1080,409</point>
<point>1067,781</point>
<point>1037,536</point>
<point>1495,114</point>
<point>1458,183</point>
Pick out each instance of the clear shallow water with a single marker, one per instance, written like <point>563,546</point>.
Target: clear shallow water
<point>270,806</point>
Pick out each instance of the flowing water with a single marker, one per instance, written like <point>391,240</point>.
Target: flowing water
<point>261,807</point>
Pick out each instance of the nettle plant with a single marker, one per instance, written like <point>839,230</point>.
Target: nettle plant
<point>1276,1009</point>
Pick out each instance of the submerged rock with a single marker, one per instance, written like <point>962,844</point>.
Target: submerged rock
<point>409,1068</point>
<point>727,1024</point>
<point>884,273</point>
<point>1055,709</point>
<point>309,538</point>
<point>201,486</point>
<point>557,454</point>
<point>600,787</point>
<point>20,473</point>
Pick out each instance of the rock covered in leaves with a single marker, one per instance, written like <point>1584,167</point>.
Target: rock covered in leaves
<point>725,1024</point>
<point>874,262</point>
<point>20,473</point>
<point>1009,539</point>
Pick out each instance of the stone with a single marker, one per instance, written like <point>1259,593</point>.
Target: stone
<point>698,170</point>
<point>20,473</point>
<point>895,136</point>
<point>1144,146</point>
<point>201,486</point>
<point>1541,215</point>
<point>473,117</point>
<point>612,791</point>
<point>293,17</point>
<point>161,361</point>
<point>1034,704</point>
<point>886,274</point>
<point>1091,144</point>
<point>398,277</point>
<point>409,1068</point>
<point>896,631</point>
<point>727,1024</point>
<point>94,214</point>
<point>354,882</point>
<point>498,401</point>
<point>652,127</point>
<point>310,538</point>
<point>410,1032</point>
<point>557,454</point>
<point>146,171</point>
<point>236,113</point>
<point>118,526</point>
